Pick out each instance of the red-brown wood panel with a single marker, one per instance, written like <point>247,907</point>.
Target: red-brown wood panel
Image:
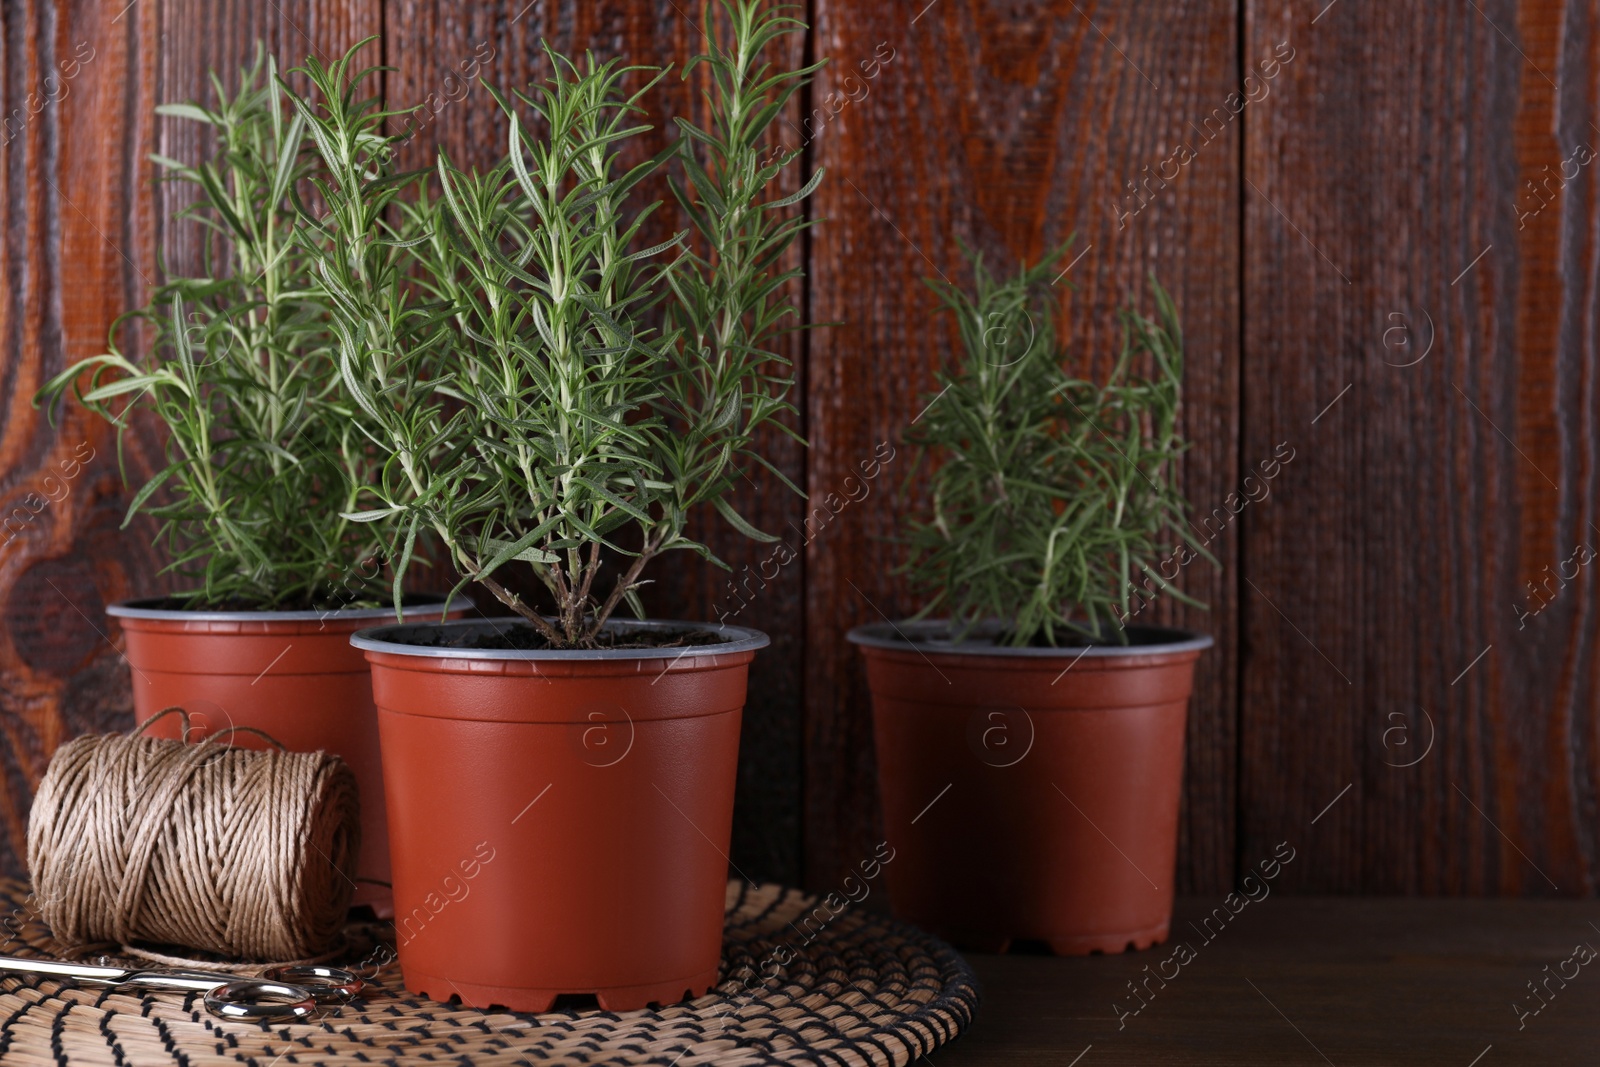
<point>1010,125</point>
<point>198,37</point>
<point>1419,697</point>
<point>82,222</point>
<point>433,44</point>
<point>75,247</point>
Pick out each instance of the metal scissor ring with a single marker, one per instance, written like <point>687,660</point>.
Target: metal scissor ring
<point>252,998</point>
<point>323,983</point>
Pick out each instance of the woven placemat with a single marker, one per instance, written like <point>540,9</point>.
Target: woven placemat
<point>865,990</point>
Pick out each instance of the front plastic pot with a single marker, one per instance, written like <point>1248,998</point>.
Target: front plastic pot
<point>290,674</point>
<point>559,820</point>
<point>1031,794</point>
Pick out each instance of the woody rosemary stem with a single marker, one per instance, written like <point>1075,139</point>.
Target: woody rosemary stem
<point>518,605</point>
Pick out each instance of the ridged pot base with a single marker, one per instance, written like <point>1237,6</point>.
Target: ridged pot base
<point>536,1001</point>
<point>1073,944</point>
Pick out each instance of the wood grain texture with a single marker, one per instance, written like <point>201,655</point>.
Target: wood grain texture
<point>76,246</point>
<point>1364,982</point>
<point>433,44</point>
<point>1392,189</point>
<point>1010,126</point>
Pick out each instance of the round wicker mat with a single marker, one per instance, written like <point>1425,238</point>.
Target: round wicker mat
<point>866,990</point>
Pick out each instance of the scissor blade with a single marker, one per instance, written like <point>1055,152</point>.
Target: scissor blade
<point>79,972</point>
<point>203,981</point>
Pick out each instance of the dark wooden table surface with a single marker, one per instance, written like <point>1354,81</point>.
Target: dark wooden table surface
<point>1310,981</point>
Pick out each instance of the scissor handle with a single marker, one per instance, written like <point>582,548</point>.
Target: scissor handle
<point>323,983</point>
<point>252,998</point>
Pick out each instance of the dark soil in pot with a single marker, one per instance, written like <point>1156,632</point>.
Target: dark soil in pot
<point>519,637</point>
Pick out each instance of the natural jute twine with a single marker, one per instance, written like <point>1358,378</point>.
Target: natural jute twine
<point>242,852</point>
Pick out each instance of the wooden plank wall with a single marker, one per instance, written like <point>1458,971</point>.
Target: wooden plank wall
<point>1009,127</point>
<point>1418,180</point>
<point>1312,181</point>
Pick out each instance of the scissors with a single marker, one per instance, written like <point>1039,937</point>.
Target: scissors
<point>284,993</point>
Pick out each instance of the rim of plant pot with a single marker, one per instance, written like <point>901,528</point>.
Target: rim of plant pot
<point>933,635</point>
<point>734,639</point>
<point>144,608</point>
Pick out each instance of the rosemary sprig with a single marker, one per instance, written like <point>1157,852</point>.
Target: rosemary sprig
<point>264,457</point>
<point>1048,492</point>
<point>544,390</point>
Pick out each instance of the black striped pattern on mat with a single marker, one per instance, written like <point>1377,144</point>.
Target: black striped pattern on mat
<point>856,990</point>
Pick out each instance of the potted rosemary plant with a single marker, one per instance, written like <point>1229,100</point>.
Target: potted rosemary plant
<point>551,398</point>
<point>263,458</point>
<point>1053,721</point>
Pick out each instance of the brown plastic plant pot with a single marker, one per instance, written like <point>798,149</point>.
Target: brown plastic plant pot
<point>290,674</point>
<point>559,821</point>
<point>1031,794</point>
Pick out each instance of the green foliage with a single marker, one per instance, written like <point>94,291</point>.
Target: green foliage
<point>1048,492</point>
<point>544,390</point>
<point>263,458</point>
<point>725,382</point>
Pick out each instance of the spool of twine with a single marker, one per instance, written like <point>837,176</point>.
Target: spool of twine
<point>242,852</point>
